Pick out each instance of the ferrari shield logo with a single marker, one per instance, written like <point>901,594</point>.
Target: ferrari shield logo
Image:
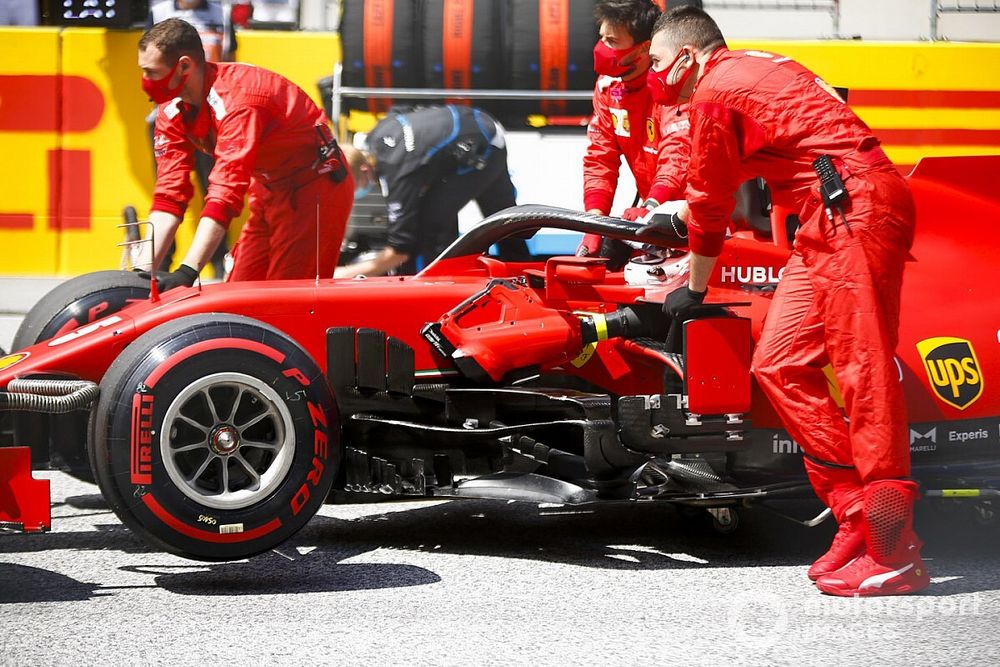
<point>11,359</point>
<point>650,130</point>
<point>953,370</point>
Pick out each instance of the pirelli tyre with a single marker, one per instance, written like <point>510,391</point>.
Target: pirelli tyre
<point>216,437</point>
<point>60,441</point>
<point>79,301</point>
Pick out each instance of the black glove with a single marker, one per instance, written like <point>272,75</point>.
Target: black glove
<point>617,252</point>
<point>669,228</point>
<point>184,276</point>
<point>682,301</point>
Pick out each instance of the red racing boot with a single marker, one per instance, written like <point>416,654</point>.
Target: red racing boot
<point>891,564</point>
<point>848,545</point>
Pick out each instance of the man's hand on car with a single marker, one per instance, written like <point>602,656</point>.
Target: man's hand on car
<point>635,213</point>
<point>184,276</point>
<point>682,301</point>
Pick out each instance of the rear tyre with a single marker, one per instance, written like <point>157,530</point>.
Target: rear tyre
<point>61,441</point>
<point>216,437</point>
<point>79,301</point>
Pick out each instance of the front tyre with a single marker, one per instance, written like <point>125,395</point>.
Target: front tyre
<point>71,304</point>
<point>216,437</point>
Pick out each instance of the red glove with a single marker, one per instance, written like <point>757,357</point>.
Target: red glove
<point>241,13</point>
<point>634,213</point>
<point>589,246</point>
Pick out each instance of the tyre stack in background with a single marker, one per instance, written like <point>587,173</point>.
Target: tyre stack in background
<point>549,46</point>
<point>476,44</point>
<point>380,40</point>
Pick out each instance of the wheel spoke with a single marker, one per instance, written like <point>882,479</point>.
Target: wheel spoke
<point>255,420</point>
<point>246,466</point>
<point>211,407</point>
<point>190,448</point>
<point>225,475</point>
<point>201,469</point>
<point>236,405</point>
<point>272,446</point>
<point>198,425</point>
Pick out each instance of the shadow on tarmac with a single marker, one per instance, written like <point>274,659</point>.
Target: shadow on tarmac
<point>272,574</point>
<point>22,583</point>
<point>961,553</point>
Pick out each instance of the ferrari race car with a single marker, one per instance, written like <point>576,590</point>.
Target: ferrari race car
<point>216,419</point>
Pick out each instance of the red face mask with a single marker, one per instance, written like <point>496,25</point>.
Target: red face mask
<point>159,90</point>
<point>665,86</point>
<point>609,62</point>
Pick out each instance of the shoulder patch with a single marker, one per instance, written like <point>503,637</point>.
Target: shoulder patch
<point>677,126</point>
<point>218,106</point>
<point>172,108</point>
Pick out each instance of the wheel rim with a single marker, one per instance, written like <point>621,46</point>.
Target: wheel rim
<point>228,441</point>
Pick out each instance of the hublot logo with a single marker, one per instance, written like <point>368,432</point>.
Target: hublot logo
<point>751,275</point>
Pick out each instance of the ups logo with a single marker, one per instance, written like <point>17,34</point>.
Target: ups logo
<point>953,370</point>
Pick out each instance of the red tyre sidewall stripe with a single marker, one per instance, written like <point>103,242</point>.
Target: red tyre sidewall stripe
<point>213,344</point>
<point>204,535</point>
<point>553,50</point>
<point>456,35</point>
<point>377,44</point>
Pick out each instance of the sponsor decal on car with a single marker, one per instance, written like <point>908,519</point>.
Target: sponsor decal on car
<point>751,275</point>
<point>953,435</point>
<point>782,444</point>
<point>11,359</point>
<point>967,436</point>
<point>923,440</point>
<point>83,331</point>
<point>952,369</point>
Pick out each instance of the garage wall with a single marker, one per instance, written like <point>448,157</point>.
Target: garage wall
<point>75,152</point>
<point>74,149</point>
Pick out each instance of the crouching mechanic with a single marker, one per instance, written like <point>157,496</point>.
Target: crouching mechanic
<point>267,137</point>
<point>434,161</point>
<point>758,114</point>
<point>628,121</point>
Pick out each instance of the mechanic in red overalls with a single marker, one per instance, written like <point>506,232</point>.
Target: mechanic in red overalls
<point>264,134</point>
<point>627,122</point>
<point>759,114</point>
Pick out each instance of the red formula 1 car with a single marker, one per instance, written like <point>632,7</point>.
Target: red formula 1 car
<point>218,419</point>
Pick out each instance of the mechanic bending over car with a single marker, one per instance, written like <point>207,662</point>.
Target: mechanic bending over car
<point>760,114</point>
<point>628,121</point>
<point>267,137</point>
<point>218,37</point>
<point>433,160</point>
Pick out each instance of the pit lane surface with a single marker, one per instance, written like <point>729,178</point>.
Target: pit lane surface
<point>479,582</point>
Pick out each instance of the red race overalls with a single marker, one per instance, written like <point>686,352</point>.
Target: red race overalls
<point>261,130</point>
<point>653,140</point>
<point>760,114</point>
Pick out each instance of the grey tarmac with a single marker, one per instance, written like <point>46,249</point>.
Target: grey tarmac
<point>486,583</point>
